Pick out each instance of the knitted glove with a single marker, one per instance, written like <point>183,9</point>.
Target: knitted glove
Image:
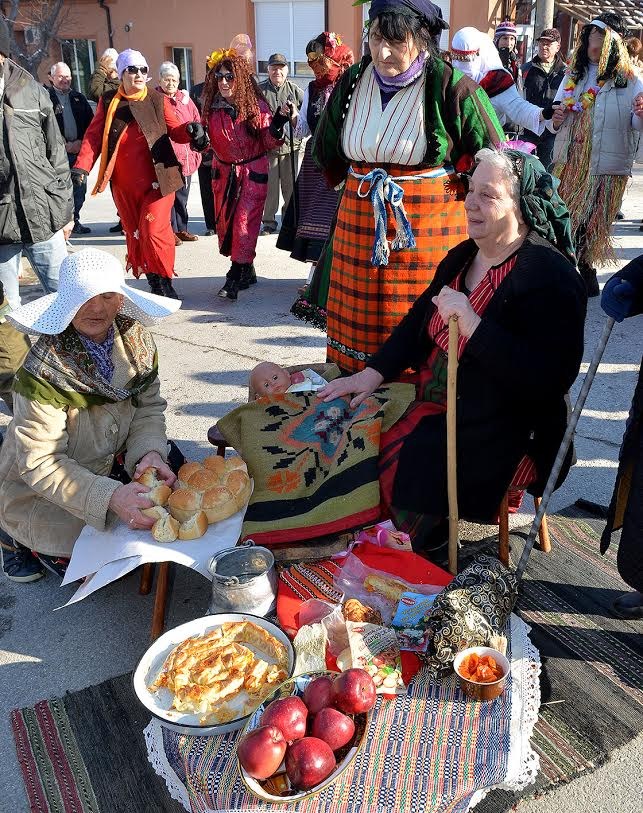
<point>78,176</point>
<point>277,125</point>
<point>199,139</point>
<point>548,113</point>
<point>617,299</point>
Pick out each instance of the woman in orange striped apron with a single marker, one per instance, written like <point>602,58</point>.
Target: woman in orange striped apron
<point>393,130</point>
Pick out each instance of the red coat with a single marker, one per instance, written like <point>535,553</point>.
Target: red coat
<point>186,111</point>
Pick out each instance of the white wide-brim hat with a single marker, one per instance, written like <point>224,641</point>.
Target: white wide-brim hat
<point>84,275</point>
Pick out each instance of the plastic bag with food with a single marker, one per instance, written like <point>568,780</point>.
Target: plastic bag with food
<point>374,588</point>
<point>375,649</point>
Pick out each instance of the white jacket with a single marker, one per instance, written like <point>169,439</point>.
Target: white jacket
<point>616,130</point>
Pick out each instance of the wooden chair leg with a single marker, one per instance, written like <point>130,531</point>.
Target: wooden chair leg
<point>160,600</point>
<point>503,531</point>
<point>543,531</point>
<point>146,579</point>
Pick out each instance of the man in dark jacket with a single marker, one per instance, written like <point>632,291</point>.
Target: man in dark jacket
<point>623,298</point>
<point>205,171</point>
<point>73,114</point>
<point>35,184</point>
<point>542,77</point>
<point>278,90</point>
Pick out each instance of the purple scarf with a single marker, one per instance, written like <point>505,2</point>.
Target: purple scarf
<point>391,84</point>
<point>101,353</point>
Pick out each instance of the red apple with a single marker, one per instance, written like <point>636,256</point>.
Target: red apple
<point>261,751</point>
<point>317,695</point>
<point>289,715</point>
<point>333,727</point>
<point>309,762</point>
<point>354,691</point>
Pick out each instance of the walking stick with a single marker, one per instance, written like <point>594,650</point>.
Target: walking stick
<point>564,446</point>
<point>295,202</point>
<point>452,472</point>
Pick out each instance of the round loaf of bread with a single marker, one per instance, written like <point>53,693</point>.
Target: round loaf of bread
<point>234,463</point>
<point>238,483</point>
<point>215,463</point>
<point>150,477</point>
<point>218,503</point>
<point>155,512</point>
<point>159,494</point>
<point>202,480</point>
<point>183,504</point>
<point>186,471</point>
<point>166,529</point>
<point>195,527</point>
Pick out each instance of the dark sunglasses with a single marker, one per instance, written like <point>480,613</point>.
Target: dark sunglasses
<point>229,77</point>
<point>133,69</point>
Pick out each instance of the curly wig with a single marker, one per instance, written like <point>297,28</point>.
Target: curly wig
<point>246,95</point>
<point>614,59</point>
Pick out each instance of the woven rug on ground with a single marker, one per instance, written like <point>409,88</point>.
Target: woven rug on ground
<point>592,663</point>
<point>89,745</point>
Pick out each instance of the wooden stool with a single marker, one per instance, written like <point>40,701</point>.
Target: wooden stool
<point>216,439</point>
<point>503,531</point>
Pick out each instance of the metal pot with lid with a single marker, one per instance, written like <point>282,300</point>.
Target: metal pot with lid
<point>244,580</point>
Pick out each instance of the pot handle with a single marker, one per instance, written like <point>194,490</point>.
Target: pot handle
<point>249,543</point>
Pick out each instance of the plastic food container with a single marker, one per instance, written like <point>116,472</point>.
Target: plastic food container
<point>482,691</point>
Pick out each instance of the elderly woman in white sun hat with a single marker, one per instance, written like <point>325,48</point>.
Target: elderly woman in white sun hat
<point>88,415</point>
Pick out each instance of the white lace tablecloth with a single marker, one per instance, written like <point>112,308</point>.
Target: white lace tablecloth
<point>171,754</point>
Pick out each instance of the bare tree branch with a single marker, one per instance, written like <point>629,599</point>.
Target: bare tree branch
<point>40,16</point>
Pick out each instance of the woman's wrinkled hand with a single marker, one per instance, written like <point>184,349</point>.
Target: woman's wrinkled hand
<point>637,106</point>
<point>154,459</point>
<point>559,115</point>
<point>454,303</point>
<point>127,502</point>
<point>361,385</point>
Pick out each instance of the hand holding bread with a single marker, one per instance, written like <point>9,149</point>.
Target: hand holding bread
<point>204,493</point>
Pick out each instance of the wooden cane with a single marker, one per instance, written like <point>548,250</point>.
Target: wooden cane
<point>452,472</point>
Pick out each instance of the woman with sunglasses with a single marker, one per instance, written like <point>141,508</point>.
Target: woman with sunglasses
<point>143,179</point>
<point>242,129</point>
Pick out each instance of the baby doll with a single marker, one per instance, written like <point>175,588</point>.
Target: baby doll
<point>268,378</point>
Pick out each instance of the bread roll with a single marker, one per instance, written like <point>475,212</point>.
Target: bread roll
<point>159,494</point>
<point>195,527</point>
<point>238,483</point>
<point>234,463</point>
<point>215,463</point>
<point>165,529</point>
<point>219,503</point>
<point>183,504</point>
<point>150,478</point>
<point>202,480</point>
<point>155,512</point>
<point>186,471</point>
<point>388,587</point>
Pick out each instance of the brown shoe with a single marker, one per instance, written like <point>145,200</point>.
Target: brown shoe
<point>186,236</point>
<point>177,240</point>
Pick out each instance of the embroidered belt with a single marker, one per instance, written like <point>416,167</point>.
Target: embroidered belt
<point>383,189</point>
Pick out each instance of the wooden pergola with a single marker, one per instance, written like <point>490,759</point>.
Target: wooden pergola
<point>586,10</point>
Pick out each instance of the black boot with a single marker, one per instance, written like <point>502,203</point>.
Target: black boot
<point>248,276</point>
<point>167,288</point>
<point>154,282</point>
<point>232,284</point>
<point>589,278</point>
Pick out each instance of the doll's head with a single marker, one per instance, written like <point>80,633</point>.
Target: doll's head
<point>268,378</point>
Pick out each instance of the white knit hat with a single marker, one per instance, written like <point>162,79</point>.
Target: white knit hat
<point>84,275</point>
<point>129,57</point>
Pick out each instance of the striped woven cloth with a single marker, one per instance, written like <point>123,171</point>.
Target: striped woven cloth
<point>430,751</point>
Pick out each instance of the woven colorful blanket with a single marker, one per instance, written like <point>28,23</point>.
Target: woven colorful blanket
<point>314,464</point>
<point>432,751</point>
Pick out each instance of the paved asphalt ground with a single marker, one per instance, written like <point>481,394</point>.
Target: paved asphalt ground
<point>206,351</point>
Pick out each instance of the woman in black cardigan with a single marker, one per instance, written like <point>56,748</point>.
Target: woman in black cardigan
<point>520,306</point>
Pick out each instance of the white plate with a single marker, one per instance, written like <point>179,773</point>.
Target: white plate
<point>158,703</point>
<point>296,686</point>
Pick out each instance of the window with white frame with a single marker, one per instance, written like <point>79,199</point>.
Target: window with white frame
<point>80,56</point>
<point>182,58</point>
<point>286,27</point>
